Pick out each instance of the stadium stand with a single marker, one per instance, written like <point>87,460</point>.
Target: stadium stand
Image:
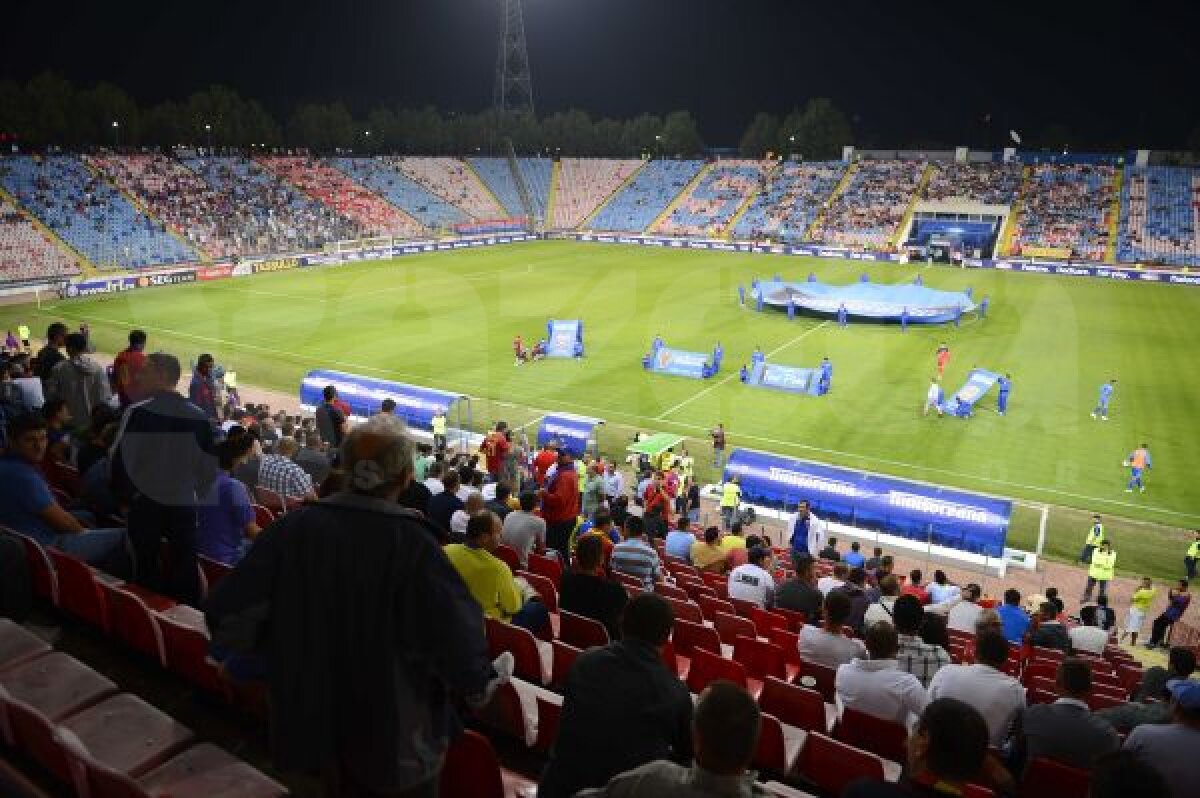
<point>1066,208</point>
<point>794,196</point>
<point>871,206</point>
<point>175,194</point>
<point>498,176</point>
<point>1160,215</point>
<point>584,183</point>
<point>984,183</point>
<point>26,253</point>
<point>712,202</point>
<point>646,196</point>
<point>414,199</point>
<point>268,215</point>
<point>373,214</point>
<point>452,180</point>
<point>89,213</point>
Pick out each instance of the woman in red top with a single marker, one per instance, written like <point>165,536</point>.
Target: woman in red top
<point>658,508</point>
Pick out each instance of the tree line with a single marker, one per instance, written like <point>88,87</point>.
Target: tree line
<point>49,111</point>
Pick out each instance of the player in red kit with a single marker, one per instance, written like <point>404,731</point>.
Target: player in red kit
<point>943,358</point>
<point>519,350</point>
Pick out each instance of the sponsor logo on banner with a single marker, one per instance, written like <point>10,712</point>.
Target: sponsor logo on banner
<point>1185,279</point>
<point>1033,267</point>
<point>169,278</point>
<point>243,270</point>
<point>217,272</point>
<point>275,265</point>
<point>1075,271</point>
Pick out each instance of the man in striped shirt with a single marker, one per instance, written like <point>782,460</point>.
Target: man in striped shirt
<point>634,556</point>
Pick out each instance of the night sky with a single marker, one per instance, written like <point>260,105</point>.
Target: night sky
<point>920,73</point>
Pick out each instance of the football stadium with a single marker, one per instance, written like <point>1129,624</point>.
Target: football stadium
<point>531,450</point>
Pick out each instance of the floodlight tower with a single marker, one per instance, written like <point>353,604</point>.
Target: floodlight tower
<point>513,91</point>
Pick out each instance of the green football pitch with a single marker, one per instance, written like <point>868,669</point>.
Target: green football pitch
<point>447,320</point>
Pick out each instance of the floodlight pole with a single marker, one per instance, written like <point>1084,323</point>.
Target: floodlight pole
<point>513,88</point>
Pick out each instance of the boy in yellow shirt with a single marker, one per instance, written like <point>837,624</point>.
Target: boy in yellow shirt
<point>1138,606</point>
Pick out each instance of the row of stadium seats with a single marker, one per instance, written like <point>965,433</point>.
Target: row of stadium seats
<point>402,191</point>
<point>794,196</point>
<point>646,196</point>
<point>90,214</point>
<point>984,183</point>
<point>1160,215</point>
<point>710,205</point>
<point>25,252</point>
<point>1067,207</point>
<point>453,180</point>
<point>584,183</point>
<point>498,177</point>
<point>870,208</point>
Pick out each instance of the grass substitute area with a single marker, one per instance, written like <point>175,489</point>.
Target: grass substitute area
<point>447,320</point>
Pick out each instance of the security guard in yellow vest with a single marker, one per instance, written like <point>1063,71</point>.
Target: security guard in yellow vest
<point>438,422</point>
<point>1093,540</point>
<point>731,494</point>
<point>1103,567</point>
<point>1192,558</point>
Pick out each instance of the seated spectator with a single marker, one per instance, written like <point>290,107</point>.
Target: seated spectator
<point>859,601</point>
<point>458,521</point>
<point>1013,618</point>
<point>492,584</point>
<point>1181,664</point>
<point>1124,775</point>
<point>965,614</point>
<point>1155,709</point>
<point>58,431</point>
<point>827,583</point>
<point>827,644</point>
<point>734,543</point>
<point>1045,631</point>
<point>753,581</point>
<point>725,731</point>
<point>1172,749</point>
<point>933,630</point>
<point>634,556</point>
<point>27,505</point>
<point>98,438</point>
<point>525,531</point>
<point>279,474</point>
<point>947,751</point>
<point>433,477</point>
<point>913,587</point>
<point>585,590</point>
<point>876,685</point>
<point>225,519</point>
<point>311,458</point>
<point>1106,616</point>
<point>1066,730</point>
<point>830,551</point>
<point>940,590</point>
<point>913,654</point>
<point>445,503</point>
<point>883,610</point>
<point>1088,637</point>
<point>998,697</point>
<point>800,593</point>
<point>1052,597</point>
<point>680,539</point>
<point>709,554</point>
<point>499,503</point>
<point>622,688</point>
<point>854,557</point>
<point>601,528</point>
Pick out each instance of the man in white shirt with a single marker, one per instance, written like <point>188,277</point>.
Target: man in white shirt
<point>932,397</point>
<point>884,609</point>
<point>828,583</point>
<point>614,482</point>
<point>433,478</point>
<point>753,581</point>
<point>523,530</point>
<point>876,686</point>
<point>1088,637</point>
<point>984,685</point>
<point>825,644</point>
<point>940,590</point>
<point>964,615</point>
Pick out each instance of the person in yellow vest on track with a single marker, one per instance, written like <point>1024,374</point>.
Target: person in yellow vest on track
<point>1094,536</point>
<point>731,494</point>
<point>438,422</point>
<point>1192,558</point>
<point>23,333</point>
<point>1104,565</point>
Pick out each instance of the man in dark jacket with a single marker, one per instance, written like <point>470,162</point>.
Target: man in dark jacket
<point>51,354</point>
<point>163,463</point>
<point>622,707</point>
<point>366,629</point>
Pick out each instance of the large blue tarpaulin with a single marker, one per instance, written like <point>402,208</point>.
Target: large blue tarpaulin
<point>573,433</point>
<point>940,516</point>
<point>921,305</point>
<point>416,405</point>
<point>979,382</point>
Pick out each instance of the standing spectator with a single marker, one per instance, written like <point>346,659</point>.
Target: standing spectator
<point>1178,601</point>
<point>1014,620</point>
<point>622,686</point>
<point>806,534</point>
<point>361,682</point>
<point>657,506</point>
<point>444,505</point>
<point>877,686</point>
<point>498,504</point>
<point>691,501</point>
<point>544,460</point>
<point>593,490</point>
<point>163,463</point>
<point>203,391</point>
<point>634,556</point>
<point>280,474</point>
<point>614,483</point>
<point>50,355</point>
<point>855,590</point>
<point>709,555</point>
<point>491,583</point>
<point>827,644</point>
<point>753,581</point>
<point>998,697</point>
<point>854,557</point>
<point>718,444</point>
<point>331,421</point>
<point>126,366</point>
<point>913,587</point>
<point>79,381</point>
<point>1045,630</point>
<point>311,458</point>
<point>560,505</point>
<point>1066,730</point>
<point>914,655</point>
<point>834,580</point>
<point>830,552</point>
<point>725,733</point>
<point>523,530</point>
<point>800,593</point>
<point>585,591</point>
<point>225,519</point>
<point>495,448</point>
<point>1088,637</point>
<point>965,614</point>
<point>873,562</point>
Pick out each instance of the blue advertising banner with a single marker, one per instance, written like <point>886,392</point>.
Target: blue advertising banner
<point>573,433</point>
<point>564,338</point>
<point>416,405</point>
<point>941,516</point>
<point>979,382</point>
<point>785,378</point>
<point>680,363</point>
<point>127,283</point>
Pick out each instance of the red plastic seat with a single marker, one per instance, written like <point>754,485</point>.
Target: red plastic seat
<point>263,517</point>
<point>1038,695</point>
<point>521,642</point>
<point>509,556</point>
<point>689,637</point>
<point>1099,700</point>
<point>686,610</point>
<point>33,733</point>
<point>711,606</point>
<point>549,716</point>
<point>564,657</point>
<point>185,646</point>
<point>506,714</point>
<point>1046,670</point>
<point>708,667</point>
<point>629,582</point>
<point>45,581</point>
<point>581,632</point>
<point>788,642</point>
<point>548,567</point>
<point>794,705</point>
<point>742,607</point>
<point>213,570</point>
<point>671,592</point>
<point>18,644</point>
<point>731,627</point>
<point>1130,676</point>
<point>53,686</point>
<point>1048,654</point>
<point>795,620</point>
<point>825,678</point>
<point>767,619</point>
<point>883,737</point>
<point>771,754</point>
<point>1046,777</point>
<point>760,658</point>
<point>544,587</point>
<point>831,766</point>
<point>131,622</point>
<point>270,500</point>
<point>78,591</point>
<point>471,769</point>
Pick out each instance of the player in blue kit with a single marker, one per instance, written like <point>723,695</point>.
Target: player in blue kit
<point>1106,392</point>
<point>842,315</point>
<point>1005,385</point>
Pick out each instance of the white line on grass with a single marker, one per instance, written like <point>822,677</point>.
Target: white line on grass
<point>610,412</point>
<point>715,386</point>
